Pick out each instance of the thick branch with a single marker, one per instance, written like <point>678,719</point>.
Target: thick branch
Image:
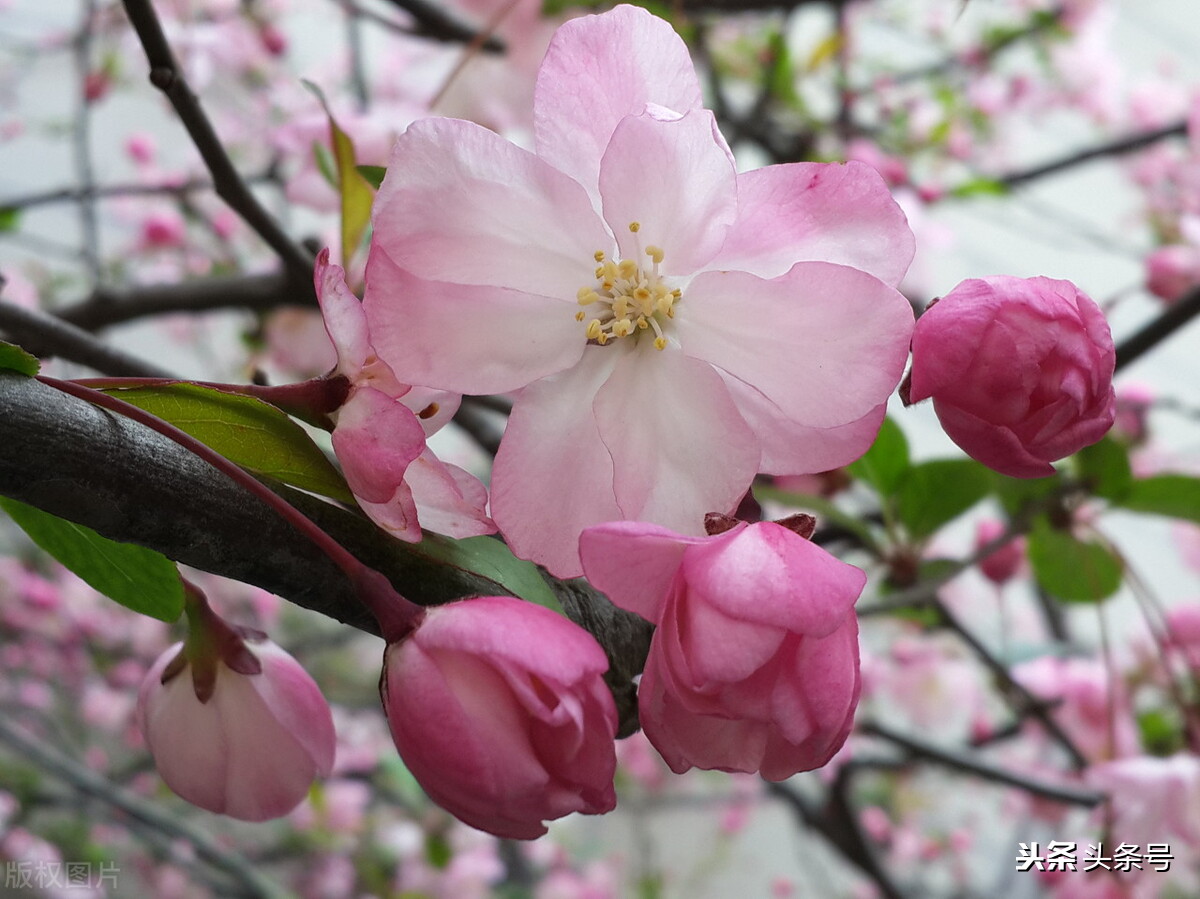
<point>73,460</point>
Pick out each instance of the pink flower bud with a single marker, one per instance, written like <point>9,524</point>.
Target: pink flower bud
<point>754,666</point>
<point>1172,270</point>
<point>1020,371</point>
<point>499,710</point>
<point>252,750</point>
<point>96,85</point>
<point>1001,565</point>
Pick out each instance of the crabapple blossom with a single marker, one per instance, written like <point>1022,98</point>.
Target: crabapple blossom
<point>1019,369</point>
<point>381,428</point>
<point>754,665</point>
<point>1002,564</point>
<point>674,327</point>
<point>499,710</point>
<point>233,722</point>
<point>1171,271</point>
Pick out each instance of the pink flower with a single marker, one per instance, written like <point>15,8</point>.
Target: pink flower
<point>381,429</point>
<point>1020,371</point>
<point>1153,798</point>
<point>676,327</point>
<point>252,747</point>
<point>1093,712</point>
<point>1003,564</point>
<point>1172,271</point>
<point>499,710</point>
<point>754,664</point>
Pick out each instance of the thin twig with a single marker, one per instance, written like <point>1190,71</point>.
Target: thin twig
<point>433,22</point>
<point>89,783</point>
<point>44,334</point>
<point>1159,329</point>
<point>106,306</point>
<point>166,75</point>
<point>82,142</point>
<point>960,761</point>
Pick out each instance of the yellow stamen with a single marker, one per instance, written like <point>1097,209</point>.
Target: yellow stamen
<point>579,316</point>
<point>599,255</point>
<point>655,253</point>
<point>593,330</point>
<point>660,343</point>
<point>635,227</point>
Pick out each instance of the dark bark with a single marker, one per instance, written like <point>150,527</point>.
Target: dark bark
<point>128,483</point>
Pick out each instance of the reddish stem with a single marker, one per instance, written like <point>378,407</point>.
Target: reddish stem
<point>396,615</point>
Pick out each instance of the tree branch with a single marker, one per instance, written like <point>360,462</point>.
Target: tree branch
<point>107,307</point>
<point>41,754</point>
<point>1117,147</point>
<point>1175,317</point>
<point>46,335</point>
<point>166,75</point>
<point>958,761</point>
<point>108,473</point>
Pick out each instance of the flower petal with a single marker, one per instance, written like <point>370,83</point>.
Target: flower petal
<point>633,563</point>
<point>811,591</point>
<point>676,178</point>
<point>344,320</point>
<point>552,476</point>
<point>461,204</point>
<point>822,212</point>
<point>825,343</point>
<point>375,440</point>
<point>676,439</point>
<point>469,339</point>
<point>790,448</point>
<point>449,500</point>
<point>599,69</point>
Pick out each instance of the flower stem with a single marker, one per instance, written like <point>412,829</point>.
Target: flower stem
<point>311,401</point>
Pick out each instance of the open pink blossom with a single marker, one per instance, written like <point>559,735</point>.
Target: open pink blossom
<point>1020,371</point>
<point>754,665</point>
<point>381,430</point>
<point>249,750</point>
<point>676,327</point>
<point>499,709</point>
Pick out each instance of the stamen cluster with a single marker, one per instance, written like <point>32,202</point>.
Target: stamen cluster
<point>632,298</point>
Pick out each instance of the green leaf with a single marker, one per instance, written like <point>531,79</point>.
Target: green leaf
<point>936,492</point>
<point>1071,569</point>
<point>357,193</point>
<point>489,557</point>
<point>140,579</point>
<point>1162,733</point>
<point>10,218</point>
<point>13,358</point>
<point>884,465</point>
<point>1175,495</point>
<point>373,174</point>
<point>246,431</point>
<point>1104,468</point>
<point>1017,494</point>
<point>981,187</point>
